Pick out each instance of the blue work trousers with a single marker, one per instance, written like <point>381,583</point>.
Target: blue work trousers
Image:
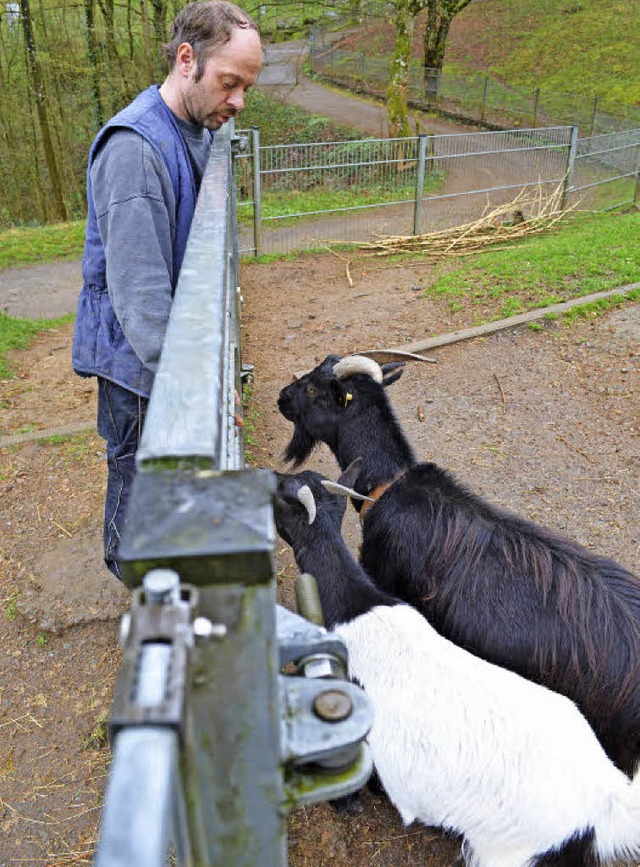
<point>120,418</point>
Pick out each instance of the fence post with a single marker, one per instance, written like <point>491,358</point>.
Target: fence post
<point>364,69</point>
<point>594,115</point>
<point>568,175</point>
<point>636,191</point>
<point>484,97</point>
<point>536,99</point>
<point>420,170</point>
<point>257,203</point>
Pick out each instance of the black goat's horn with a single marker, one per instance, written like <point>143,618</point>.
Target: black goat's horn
<point>343,490</point>
<point>384,355</point>
<point>305,496</point>
<point>352,364</point>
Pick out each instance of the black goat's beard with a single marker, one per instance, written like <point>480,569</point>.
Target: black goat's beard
<point>300,447</point>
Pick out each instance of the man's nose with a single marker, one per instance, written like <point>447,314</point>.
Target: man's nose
<point>236,100</point>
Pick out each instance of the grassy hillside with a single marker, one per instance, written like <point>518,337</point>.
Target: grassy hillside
<point>587,47</point>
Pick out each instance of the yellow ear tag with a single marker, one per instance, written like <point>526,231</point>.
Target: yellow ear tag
<point>348,396</point>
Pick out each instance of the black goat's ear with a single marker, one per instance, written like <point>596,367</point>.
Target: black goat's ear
<point>349,476</point>
<point>392,372</point>
<point>340,392</point>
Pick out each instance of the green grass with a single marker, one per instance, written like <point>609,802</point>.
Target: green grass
<point>588,253</point>
<point>11,611</point>
<point>18,333</point>
<point>280,123</point>
<point>288,204</point>
<point>587,47</point>
<point>29,245</point>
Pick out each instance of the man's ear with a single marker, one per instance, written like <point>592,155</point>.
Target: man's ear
<point>185,59</point>
<point>340,392</point>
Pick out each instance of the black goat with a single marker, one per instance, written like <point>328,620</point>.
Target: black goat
<point>506,589</point>
<point>457,742</point>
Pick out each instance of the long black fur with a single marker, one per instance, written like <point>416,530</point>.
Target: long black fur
<point>504,588</point>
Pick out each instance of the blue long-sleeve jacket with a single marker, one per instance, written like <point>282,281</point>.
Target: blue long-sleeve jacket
<point>103,342</point>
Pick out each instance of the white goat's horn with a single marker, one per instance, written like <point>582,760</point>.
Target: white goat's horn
<point>384,355</point>
<point>343,490</point>
<point>351,364</point>
<point>305,495</point>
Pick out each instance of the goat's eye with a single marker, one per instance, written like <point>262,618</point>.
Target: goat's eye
<point>311,390</point>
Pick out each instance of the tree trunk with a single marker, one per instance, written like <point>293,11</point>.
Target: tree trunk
<point>440,14</point>
<point>159,32</point>
<point>37,88</point>
<point>397,105</point>
<point>147,42</point>
<point>92,57</point>
<point>117,98</point>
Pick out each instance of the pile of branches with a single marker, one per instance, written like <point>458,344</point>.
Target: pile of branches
<point>527,214</point>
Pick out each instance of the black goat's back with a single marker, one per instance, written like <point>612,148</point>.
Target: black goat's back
<point>515,594</point>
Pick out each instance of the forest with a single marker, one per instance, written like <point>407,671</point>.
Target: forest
<point>66,66</point>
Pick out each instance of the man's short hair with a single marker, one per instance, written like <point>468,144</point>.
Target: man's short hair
<point>206,25</point>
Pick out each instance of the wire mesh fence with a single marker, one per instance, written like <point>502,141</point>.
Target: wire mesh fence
<point>474,96</point>
<point>606,171</point>
<point>305,196</point>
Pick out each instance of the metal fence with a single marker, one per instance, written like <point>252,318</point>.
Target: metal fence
<point>606,172</point>
<point>476,97</point>
<point>212,741</point>
<point>301,196</point>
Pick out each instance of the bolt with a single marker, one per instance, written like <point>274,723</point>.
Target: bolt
<point>125,629</point>
<point>161,585</point>
<point>332,705</point>
<point>203,629</point>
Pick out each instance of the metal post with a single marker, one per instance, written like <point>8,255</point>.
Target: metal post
<point>420,170</point>
<point>568,176</point>
<point>536,99</point>
<point>594,115</point>
<point>636,191</point>
<point>364,70</point>
<point>257,202</point>
<point>139,818</point>
<point>484,97</point>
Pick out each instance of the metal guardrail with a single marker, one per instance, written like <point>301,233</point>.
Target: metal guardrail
<point>212,741</point>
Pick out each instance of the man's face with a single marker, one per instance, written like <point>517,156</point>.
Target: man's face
<point>228,74</point>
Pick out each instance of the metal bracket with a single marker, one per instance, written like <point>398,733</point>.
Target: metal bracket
<point>157,636</point>
<point>325,718</point>
<point>239,144</point>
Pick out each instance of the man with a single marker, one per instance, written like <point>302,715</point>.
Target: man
<point>143,176</point>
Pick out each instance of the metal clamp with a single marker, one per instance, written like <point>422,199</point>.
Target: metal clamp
<point>157,636</point>
<point>239,144</point>
<point>325,718</point>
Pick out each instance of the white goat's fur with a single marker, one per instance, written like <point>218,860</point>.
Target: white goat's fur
<point>351,364</point>
<point>468,746</point>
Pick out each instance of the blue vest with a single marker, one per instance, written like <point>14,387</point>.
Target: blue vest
<point>99,345</point>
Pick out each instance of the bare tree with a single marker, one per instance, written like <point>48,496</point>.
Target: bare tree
<point>36,83</point>
<point>92,57</point>
<point>440,14</point>
<point>404,13</point>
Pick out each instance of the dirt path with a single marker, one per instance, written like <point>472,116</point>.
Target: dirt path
<point>545,423</point>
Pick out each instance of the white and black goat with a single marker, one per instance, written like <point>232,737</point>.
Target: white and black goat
<point>457,742</point>
<point>503,587</point>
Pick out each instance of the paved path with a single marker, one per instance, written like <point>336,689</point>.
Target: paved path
<point>51,290</point>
